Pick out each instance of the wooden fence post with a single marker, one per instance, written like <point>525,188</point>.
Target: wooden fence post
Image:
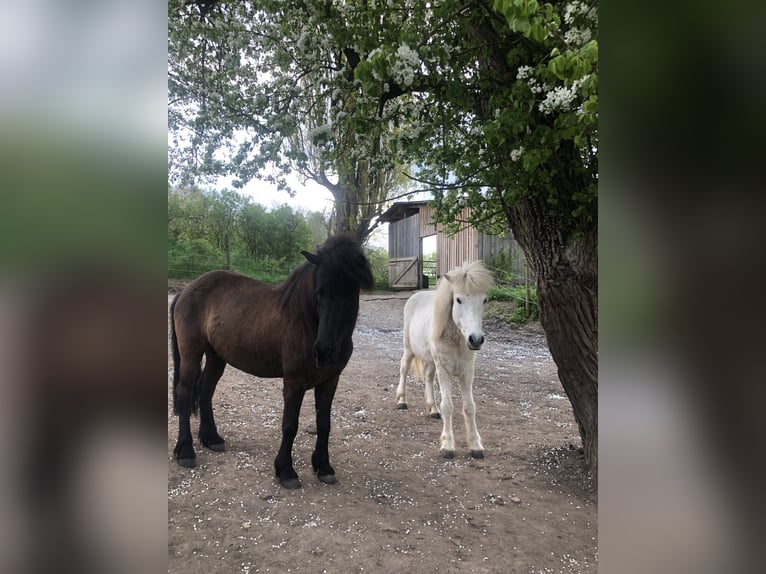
<point>228,251</point>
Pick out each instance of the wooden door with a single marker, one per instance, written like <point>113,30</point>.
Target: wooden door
<point>404,273</point>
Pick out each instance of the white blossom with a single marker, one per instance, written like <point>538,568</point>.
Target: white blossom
<point>404,65</point>
<point>577,36</point>
<point>558,99</point>
<point>523,72</point>
<point>569,12</point>
<point>320,134</point>
<point>534,86</point>
<point>408,55</point>
<point>516,153</point>
<point>578,8</point>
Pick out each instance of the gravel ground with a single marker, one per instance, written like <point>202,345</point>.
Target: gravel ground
<point>529,506</point>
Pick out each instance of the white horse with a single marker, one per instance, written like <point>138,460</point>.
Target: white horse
<point>442,332</point>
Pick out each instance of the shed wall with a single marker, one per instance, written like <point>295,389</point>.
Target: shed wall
<point>456,250</point>
<point>404,237</point>
<point>405,241</point>
<point>491,245</point>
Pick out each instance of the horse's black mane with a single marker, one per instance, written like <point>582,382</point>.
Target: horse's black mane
<point>346,259</point>
<point>347,269</point>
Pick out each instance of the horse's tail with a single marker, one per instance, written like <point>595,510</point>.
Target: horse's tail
<point>418,367</point>
<point>177,366</point>
<point>176,354</point>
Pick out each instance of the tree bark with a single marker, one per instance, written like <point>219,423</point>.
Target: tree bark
<point>566,267</point>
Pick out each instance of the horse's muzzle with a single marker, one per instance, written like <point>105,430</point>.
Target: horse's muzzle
<point>475,342</point>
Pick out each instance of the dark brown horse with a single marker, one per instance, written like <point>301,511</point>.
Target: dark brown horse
<point>299,330</point>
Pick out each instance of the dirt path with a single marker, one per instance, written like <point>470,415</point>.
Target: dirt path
<point>398,506</point>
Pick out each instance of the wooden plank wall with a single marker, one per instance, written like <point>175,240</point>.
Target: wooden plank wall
<point>404,240</point>
<point>427,226</point>
<point>452,251</point>
<point>404,237</point>
<point>456,250</point>
<point>491,245</point>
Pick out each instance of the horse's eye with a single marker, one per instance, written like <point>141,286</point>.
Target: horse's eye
<point>459,301</point>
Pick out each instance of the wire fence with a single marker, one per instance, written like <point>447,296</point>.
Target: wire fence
<point>188,264</point>
<point>517,288</point>
<point>185,264</point>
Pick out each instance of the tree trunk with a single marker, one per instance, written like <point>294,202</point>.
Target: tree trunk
<point>566,266</point>
<point>569,317</point>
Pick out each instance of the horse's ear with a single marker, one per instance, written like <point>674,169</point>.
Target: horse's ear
<point>448,277</point>
<point>313,258</point>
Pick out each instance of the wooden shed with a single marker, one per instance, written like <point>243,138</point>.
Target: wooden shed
<point>411,222</point>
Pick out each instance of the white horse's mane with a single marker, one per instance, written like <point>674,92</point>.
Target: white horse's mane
<point>471,278</point>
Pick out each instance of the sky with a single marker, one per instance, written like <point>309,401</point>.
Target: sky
<point>309,196</point>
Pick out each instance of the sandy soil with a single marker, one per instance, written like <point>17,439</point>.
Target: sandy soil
<point>527,507</point>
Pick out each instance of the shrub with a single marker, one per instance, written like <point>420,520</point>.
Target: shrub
<point>500,293</point>
<point>379,263</point>
<point>265,269</point>
<point>191,258</point>
<point>517,296</point>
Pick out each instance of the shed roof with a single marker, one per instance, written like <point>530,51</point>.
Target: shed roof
<point>401,210</point>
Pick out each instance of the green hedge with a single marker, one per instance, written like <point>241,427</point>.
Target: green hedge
<point>190,259</point>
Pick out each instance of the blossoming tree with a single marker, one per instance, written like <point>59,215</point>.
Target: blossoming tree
<point>517,89</point>
<point>262,89</point>
<point>495,102</point>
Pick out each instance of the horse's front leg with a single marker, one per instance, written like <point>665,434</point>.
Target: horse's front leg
<point>208,433</point>
<point>320,458</point>
<point>469,412</point>
<point>447,443</point>
<point>283,464</point>
<point>404,369</point>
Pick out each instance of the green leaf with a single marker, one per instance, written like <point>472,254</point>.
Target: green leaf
<point>591,105</point>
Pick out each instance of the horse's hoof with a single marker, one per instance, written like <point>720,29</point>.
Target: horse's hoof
<point>447,453</point>
<point>435,415</point>
<point>477,453</point>
<point>217,447</point>
<point>401,406</point>
<point>187,462</point>
<point>327,478</point>
<point>290,483</point>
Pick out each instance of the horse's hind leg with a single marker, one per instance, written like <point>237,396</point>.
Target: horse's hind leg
<point>211,374</point>
<point>320,458</point>
<point>189,370</point>
<point>401,389</point>
<point>429,371</point>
